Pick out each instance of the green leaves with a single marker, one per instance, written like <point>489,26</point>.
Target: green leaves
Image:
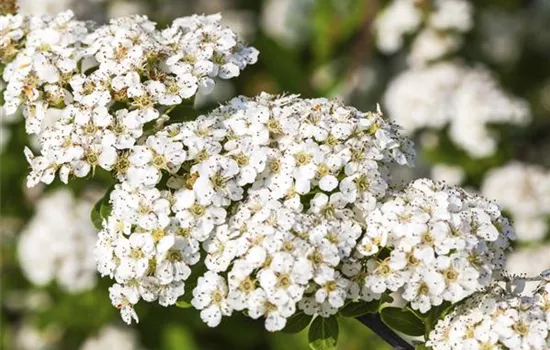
<point>360,308</point>
<point>297,322</point>
<point>101,210</point>
<point>404,321</point>
<point>436,313</point>
<point>356,309</point>
<point>323,333</point>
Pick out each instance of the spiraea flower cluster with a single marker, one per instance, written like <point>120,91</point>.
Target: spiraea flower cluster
<point>438,26</point>
<point>497,320</point>
<point>89,93</point>
<point>57,244</point>
<point>112,337</point>
<point>523,190</point>
<point>443,244</point>
<point>269,205</point>
<point>266,193</point>
<point>448,94</point>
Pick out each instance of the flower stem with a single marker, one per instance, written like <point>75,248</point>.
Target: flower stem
<point>374,322</point>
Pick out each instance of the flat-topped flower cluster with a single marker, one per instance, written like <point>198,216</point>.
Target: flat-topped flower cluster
<point>445,244</point>
<point>268,193</point>
<point>497,320</point>
<point>90,92</point>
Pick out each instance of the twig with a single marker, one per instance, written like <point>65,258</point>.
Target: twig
<point>374,322</point>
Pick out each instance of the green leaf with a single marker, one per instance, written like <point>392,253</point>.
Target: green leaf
<point>360,308</point>
<point>421,347</point>
<point>323,333</point>
<point>436,313</point>
<point>102,209</point>
<point>183,304</point>
<point>403,321</point>
<point>385,298</point>
<point>297,322</point>
<point>95,215</point>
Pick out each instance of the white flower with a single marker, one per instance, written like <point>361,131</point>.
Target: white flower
<point>170,260</point>
<point>221,250</point>
<point>168,294</point>
<point>453,14</point>
<point>134,254</point>
<point>333,288</point>
<point>399,18</point>
<point>523,190</point>
<point>210,296</point>
<point>124,299</point>
<point>111,337</point>
<point>285,278</point>
<point>199,219</point>
<point>275,314</point>
<point>333,207</point>
<point>215,183</point>
<point>430,45</point>
<point>70,261</point>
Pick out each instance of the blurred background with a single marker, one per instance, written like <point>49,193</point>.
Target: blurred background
<point>469,81</point>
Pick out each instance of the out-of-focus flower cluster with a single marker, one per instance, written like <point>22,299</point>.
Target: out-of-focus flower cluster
<point>57,244</point>
<point>112,337</point>
<point>523,190</point>
<point>438,27</point>
<point>90,93</point>
<point>444,244</point>
<point>497,320</point>
<point>468,100</point>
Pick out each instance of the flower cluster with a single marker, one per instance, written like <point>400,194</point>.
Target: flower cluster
<point>112,337</point>
<point>91,93</point>
<point>266,205</point>
<point>57,244</point>
<point>497,320</point>
<point>449,93</point>
<point>444,244</point>
<point>264,192</point>
<point>438,35</point>
<point>523,190</point>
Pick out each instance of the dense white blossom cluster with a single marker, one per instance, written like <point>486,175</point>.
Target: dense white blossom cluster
<point>449,93</point>
<point>90,93</point>
<point>112,337</point>
<point>437,27</point>
<point>266,205</point>
<point>57,244</point>
<point>497,320</point>
<point>523,190</point>
<point>444,244</point>
<point>262,192</point>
